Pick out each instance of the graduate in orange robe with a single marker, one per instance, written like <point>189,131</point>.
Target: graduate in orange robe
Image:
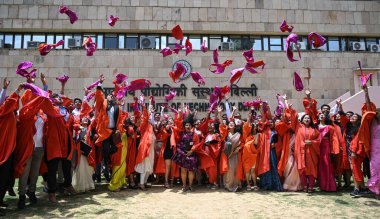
<point>8,123</point>
<point>109,125</point>
<point>306,149</point>
<point>310,106</point>
<point>213,145</point>
<point>145,153</point>
<point>251,136</point>
<point>287,165</point>
<point>131,131</point>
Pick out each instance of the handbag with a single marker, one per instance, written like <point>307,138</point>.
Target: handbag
<point>85,148</point>
<point>228,148</point>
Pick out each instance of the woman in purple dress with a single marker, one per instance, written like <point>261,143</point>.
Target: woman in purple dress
<point>187,142</point>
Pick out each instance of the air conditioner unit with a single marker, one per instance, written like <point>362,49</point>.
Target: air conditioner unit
<point>374,48</point>
<point>358,46</point>
<point>74,43</point>
<point>32,44</point>
<point>147,42</point>
<point>299,46</point>
<point>1,43</point>
<point>227,46</point>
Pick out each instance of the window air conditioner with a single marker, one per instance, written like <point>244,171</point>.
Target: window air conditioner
<point>300,45</point>
<point>374,48</point>
<point>74,43</point>
<point>147,42</point>
<point>358,46</point>
<point>32,44</point>
<point>227,46</point>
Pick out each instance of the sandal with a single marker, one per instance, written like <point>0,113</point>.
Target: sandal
<point>166,185</point>
<point>305,189</point>
<point>190,189</point>
<point>142,187</point>
<point>184,188</point>
<point>310,190</point>
<point>249,188</point>
<point>256,188</point>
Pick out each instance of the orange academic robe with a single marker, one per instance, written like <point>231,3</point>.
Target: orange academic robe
<point>131,154</point>
<point>263,161</point>
<point>26,131</point>
<point>311,108</point>
<point>306,155</point>
<point>159,167</point>
<point>8,124</point>
<point>284,133</point>
<point>250,152</point>
<point>147,133</point>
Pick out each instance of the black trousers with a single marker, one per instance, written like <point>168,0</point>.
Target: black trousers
<point>6,176</point>
<point>52,173</point>
<point>106,147</point>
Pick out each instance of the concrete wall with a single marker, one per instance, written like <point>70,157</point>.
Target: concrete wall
<point>333,17</point>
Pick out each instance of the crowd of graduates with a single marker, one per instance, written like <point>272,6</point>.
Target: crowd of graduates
<point>73,143</point>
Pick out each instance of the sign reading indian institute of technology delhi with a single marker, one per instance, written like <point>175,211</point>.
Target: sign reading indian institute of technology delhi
<point>201,93</point>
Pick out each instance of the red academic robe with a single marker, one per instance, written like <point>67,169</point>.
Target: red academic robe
<point>311,108</point>
<point>131,154</point>
<point>8,124</point>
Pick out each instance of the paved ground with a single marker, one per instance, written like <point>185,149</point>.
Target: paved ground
<point>158,202</point>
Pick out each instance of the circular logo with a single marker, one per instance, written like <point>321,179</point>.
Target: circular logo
<point>187,66</point>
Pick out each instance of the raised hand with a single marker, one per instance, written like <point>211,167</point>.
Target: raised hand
<point>6,83</point>
<point>20,87</point>
<point>219,109</point>
<point>101,78</point>
<point>86,92</point>
<point>43,78</point>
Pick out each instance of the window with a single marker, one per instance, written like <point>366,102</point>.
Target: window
<point>131,42</point>
<point>39,38</point>
<point>157,42</point>
<point>50,39</point>
<point>275,44</point>
<point>333,44</point>
<point>110,41</point>
<point>266,43</point>
<point>257,43</point>
<point>246,43</point>
<point>196,42</point>
<point>215,42</point>
<point>67,37</point>
<point>343,44</point>
<point>206,41</point>
<point>18,41</point>
<point>57,39</point>
<point>8,41</point>
<point>163,42</point>
<point>121,41</point>
<point>99,41</point>
<point>369,42</point>
<point>27,38</point>
<point>237,42</point>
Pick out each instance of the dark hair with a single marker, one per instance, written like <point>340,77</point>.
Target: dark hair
<point>325,105</point>
<point>157,113</point>
<point>353,129</point>
<point>350,112</point>
<point>328,120</point>
<point>189,119</point>
<point>54,95</point>
<point>312,125</point>
<point>78,100</point>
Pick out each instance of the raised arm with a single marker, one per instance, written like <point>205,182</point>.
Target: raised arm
<point>45,87</point>
<point>99,95</point>
<point>11,103</point>
<point>3,93</point>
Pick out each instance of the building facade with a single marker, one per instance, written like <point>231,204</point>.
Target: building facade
<point>132,46</point>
